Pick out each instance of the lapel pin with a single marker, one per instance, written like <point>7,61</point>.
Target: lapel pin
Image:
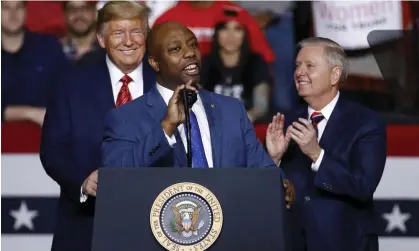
<point>212,105</point>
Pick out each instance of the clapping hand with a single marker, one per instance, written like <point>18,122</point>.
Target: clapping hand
<point>304,134</point>
<point>276,141</point>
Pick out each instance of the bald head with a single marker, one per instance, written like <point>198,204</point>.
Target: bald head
<point>173,47</point>
<point>159,32</point>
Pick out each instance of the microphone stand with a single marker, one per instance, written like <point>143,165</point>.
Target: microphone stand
<point>188,128</point>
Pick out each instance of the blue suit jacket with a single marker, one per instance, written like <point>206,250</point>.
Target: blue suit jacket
<point>70,145</point>
<point>334,206</point>
<point>134,136</point>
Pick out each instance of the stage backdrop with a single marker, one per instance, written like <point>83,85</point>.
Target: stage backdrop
<point>29,196</point>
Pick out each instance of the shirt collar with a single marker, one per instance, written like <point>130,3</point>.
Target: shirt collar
<point>328,109</point>
<point>167,94</point>
<point>116,74</point>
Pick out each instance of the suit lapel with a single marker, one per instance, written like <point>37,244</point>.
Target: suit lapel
<point>179,149</point>
<point>158,112</point>
<point>213,111</point>
<point>334,125</point>
<point>101,87</point>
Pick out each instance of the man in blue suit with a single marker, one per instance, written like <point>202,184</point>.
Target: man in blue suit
<point>334,152</point>
<point>73,128</point>
<point>149,132</point>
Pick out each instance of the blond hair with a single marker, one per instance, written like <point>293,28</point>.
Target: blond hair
<point>334,54</point>
<point>122,10</point>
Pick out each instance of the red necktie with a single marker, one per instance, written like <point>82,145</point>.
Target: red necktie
<point>316,118</point>
<point>124,96</point>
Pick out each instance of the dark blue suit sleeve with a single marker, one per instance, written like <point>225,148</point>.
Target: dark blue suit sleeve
<point>56,143</point>
<point>359,176</point>
<point>122,148</point>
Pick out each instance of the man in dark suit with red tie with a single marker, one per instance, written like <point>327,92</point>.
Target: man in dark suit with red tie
<point>333,151</point>
<point>74,121</point>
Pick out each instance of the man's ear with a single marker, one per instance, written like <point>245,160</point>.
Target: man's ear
<point>101,39</point>
<point>154,63</point>
<point>336,74</point>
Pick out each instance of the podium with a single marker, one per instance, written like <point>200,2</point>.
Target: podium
<point>185,209</point>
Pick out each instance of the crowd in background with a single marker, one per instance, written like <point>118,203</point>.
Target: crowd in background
<point>248,47</point>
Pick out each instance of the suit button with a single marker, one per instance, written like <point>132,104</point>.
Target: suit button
<point>307,198</point>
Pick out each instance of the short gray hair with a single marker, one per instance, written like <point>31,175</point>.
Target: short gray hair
<point>334,54</point>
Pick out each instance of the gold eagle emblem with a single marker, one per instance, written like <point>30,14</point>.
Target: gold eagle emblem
<point>186,220</point>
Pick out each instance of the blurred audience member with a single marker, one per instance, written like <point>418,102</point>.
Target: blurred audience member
<point>80,19</point>
<point>73,130</point>
<point>267,13</point>
<point>201,16</point>
<point>276,19</point>
<point>30,64</point>
<point>45,17</point>
<point>158,7</point>
<point>233,70</point>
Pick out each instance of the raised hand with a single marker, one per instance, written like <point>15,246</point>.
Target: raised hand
<point>175,109</point>
<point>276,141</point>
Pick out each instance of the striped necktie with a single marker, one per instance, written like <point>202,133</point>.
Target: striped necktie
<point>316,118</point>
<point>124,96</point>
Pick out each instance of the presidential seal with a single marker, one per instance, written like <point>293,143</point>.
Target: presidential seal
<point>186,217</point>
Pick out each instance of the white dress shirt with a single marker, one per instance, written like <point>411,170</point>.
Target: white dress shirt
<point>136,88</point>
<point>199,110</point>
<point>326,112</point>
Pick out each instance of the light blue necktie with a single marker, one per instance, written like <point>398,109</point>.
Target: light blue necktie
<point>199,159</point>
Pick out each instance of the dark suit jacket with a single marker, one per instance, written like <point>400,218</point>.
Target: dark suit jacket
<point>334,208</point>
<point>134,136</point>
<point>70,145</point>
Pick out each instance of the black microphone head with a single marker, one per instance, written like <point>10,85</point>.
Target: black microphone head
<point>190,97</point>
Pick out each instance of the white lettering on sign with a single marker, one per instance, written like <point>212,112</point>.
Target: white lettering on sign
<point>203,33</point>
<point>349,23</point>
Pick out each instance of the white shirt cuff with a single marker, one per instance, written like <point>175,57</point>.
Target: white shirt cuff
<point>315,166</point>
<point>171,140</point>
<point>83,196</point>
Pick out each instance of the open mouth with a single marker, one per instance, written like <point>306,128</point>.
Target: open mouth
<point>192,69</point>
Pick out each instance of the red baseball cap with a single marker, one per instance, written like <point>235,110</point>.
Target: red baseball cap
<point>232,13</point>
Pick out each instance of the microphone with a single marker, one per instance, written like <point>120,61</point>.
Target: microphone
<point>188,98</point>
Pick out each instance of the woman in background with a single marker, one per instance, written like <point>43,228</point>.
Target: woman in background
<point>231,69</point>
